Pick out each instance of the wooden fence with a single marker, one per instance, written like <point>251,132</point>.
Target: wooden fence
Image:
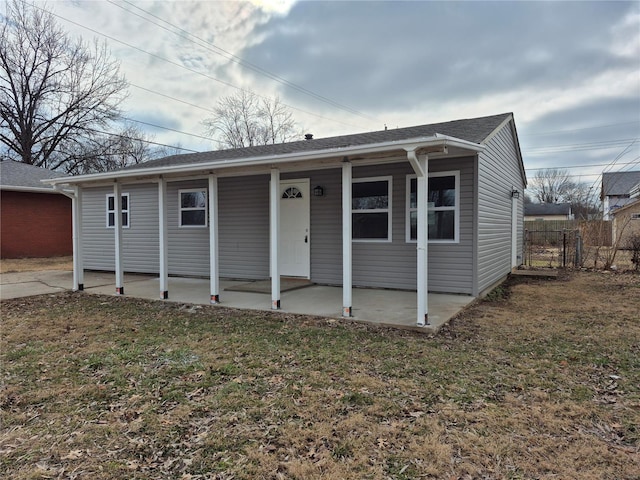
<point>593,232</point>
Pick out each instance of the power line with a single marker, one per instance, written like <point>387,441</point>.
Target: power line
<point>578,129</point>
<point>569,167</point>
<point>580,146</point>
<point>210,77</point>
<point>151,142</point>
<point>238,60</point>
<point>172,98</point>
<point>613,162</point>
<point>202,137</point>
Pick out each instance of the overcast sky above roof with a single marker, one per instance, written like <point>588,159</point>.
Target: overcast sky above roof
<point>569,71</point>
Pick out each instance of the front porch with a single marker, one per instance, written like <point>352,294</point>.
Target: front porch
<point>383,307</point>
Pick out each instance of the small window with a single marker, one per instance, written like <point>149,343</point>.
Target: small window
<point>111,210</point>
<point>635,216</point>
<point>292,192</point>
<point>443,204</point>
<point>193,208</point>
<point>371,209</point>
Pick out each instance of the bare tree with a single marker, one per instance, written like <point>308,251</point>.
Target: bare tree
<point>110,151</point>
<point>54,91</point>
<point>245,120</point>
<point>278,123</point>
<point>582,203</point>
<point>551,185</point>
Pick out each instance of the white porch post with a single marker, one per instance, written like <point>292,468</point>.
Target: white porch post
<point>274,227</point>
<point>163,236</point>
<point>423,241</point>
<point>117,223</point>
<point>214,278</point>
<point>347,301</point>
<point>514,228</point>
<point>76,220</point>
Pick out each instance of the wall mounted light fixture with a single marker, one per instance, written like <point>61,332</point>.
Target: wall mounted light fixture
<point>318,191</point>
<point>515,193</point>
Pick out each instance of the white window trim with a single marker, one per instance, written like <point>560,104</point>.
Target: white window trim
<point>456,208</point>
<point>127,211</point>
<point>388,210</point>
<point>193,209</point>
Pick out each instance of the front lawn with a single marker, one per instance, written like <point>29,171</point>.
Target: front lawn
<point>543,381</point>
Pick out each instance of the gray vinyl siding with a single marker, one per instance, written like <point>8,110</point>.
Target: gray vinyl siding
<point>394,264</point>
<point>498,172</point>
<point>140,248</point>
<point>244,232</point>
<point>188,246</point>
<point>243,227</point>
<point>326,225</point>
<point>389,264</point>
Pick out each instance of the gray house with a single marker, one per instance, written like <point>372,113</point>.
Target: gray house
<point>617,188</point>
<point>547,211</point>
<point>428,208</point>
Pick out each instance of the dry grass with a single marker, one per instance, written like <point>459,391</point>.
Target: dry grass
<point>10,265</point>
<point>541,382</point>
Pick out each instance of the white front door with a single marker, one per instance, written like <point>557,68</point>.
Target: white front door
<point>295,238</point>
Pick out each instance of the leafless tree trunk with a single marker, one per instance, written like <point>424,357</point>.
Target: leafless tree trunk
<point>54,91</point>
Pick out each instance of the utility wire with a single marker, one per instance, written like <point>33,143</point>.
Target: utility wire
<point>172,98</point>
<point>151,142</point>
<point>578,129</point>
<point>611,164</point>
<point>580,146</point>
<point>173,130</point>
<point>210,77</point>
<point>238,60</point>
<point>569,167</point>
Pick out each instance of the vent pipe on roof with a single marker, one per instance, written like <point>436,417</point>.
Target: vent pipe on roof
<point>308,136</point>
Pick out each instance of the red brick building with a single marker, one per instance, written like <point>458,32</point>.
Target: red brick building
<point>35,220</point>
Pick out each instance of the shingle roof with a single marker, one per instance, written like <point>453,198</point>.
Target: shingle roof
<point>531,209</point>
<point>474,130</point>
<point>22,175</point>
<point>619,183</point>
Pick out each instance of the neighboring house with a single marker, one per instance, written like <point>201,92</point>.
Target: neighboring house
<point>616,190</point>
<point>350,210</point>
<point>626,223</point>
<point>547,211</point>
<point>35,220</point>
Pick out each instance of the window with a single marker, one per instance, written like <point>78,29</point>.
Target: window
<point>371,209</point>
<point>193,208</point>
<point>111,210</point>
<point>444,207</point>
<point>292,192</point>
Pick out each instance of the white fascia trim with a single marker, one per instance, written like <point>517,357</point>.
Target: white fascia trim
<point>411,144</point>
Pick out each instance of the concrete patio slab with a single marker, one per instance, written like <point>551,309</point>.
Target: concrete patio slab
<point>384,307</point>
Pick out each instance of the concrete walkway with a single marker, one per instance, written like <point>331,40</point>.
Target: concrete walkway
<point>384,307</point>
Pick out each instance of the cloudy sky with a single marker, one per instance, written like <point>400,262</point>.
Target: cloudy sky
<point>569,71</point>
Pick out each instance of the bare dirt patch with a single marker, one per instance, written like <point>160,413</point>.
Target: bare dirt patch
<point>10,265</point>
<point>540,382</point>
